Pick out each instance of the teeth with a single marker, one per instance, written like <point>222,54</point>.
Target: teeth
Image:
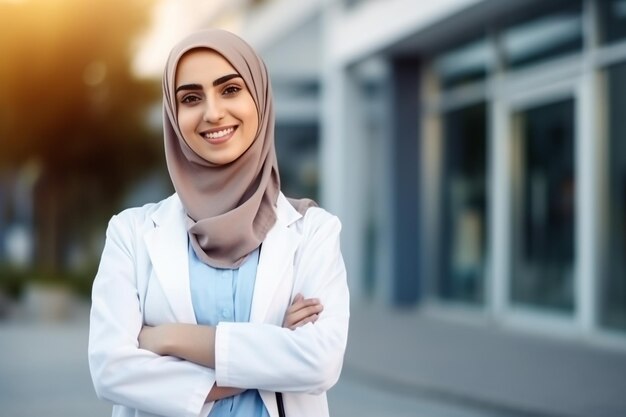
<point>219,134</point>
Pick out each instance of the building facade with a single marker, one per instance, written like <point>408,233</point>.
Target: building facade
<point>475,150</point>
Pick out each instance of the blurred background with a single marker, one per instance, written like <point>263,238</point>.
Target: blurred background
<point>475,151</point>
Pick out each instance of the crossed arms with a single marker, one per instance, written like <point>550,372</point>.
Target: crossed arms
<point>196,343</point>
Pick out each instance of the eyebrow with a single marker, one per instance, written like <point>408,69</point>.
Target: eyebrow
<point>225,78</point>
<point>217,82</point>
<point>188,87</point>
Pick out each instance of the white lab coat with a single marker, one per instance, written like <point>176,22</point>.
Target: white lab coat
<point>143,278</point>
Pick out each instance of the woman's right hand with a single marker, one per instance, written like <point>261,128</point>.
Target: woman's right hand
<point>302,311</point>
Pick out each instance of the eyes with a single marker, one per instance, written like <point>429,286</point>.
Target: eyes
<point>193,97</point>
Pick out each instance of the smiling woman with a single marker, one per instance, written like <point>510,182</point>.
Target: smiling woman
<point>218,298</point>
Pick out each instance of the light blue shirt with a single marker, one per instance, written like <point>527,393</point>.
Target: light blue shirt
<point>226,295</point>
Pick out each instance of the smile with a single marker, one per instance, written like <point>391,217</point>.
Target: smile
<point>218,136</point>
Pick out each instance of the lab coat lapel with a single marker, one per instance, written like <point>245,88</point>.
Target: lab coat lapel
<point>167,248</point>
<point>277,253</point>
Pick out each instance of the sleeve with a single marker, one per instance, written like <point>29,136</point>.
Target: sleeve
<point>122,373</point>
<point>308,359</point>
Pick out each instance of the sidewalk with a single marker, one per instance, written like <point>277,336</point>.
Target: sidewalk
<point>483,367</point>
<point>397,364</point>
<point>44,372</point>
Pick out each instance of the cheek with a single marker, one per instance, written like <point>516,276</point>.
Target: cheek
<point>186,121</point>
<point>252,118</point>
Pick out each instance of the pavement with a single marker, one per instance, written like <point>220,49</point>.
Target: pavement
<point>484,366</point>
<point>44,371</point>
<point>397,364</point>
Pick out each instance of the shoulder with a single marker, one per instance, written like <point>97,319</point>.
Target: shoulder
<point>313,219</point>
<point>317,216</point>
<point>288,214</point>
<point>319,223</point>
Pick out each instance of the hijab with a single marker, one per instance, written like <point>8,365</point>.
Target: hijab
<point>230,208</point>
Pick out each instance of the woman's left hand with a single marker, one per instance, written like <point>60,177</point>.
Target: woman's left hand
<point>302,311</point>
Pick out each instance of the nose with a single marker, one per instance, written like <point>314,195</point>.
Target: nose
<point>213,111</point>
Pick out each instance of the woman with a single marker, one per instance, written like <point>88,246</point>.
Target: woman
<point>226,293</point>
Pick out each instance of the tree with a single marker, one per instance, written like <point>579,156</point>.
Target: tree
<point>69,101</point>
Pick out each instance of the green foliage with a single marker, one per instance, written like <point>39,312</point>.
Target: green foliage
<point>69,102</point>
<point>13,280</point>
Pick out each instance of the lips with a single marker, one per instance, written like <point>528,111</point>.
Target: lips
<point>218,135</point>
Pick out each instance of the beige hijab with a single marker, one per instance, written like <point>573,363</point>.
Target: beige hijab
<point>230,208</point>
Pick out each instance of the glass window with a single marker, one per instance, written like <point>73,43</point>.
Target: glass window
<point>614,297</point>
<point>466,64</point>
<point>373,85</point>
<point>464,205</point>
<point>612,19</point>
<point>544,211</point>
<point>297,151</point>
<point>543,38</point>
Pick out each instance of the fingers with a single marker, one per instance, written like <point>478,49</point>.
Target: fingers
<point>300,303</point>
<point>310,319</point>
<point>299,297</point>
<point>302,311</point>
<point>306,311</point>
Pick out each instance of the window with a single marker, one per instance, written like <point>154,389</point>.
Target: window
<point>466,64</point>
<point>464,205</point>
<point>614,294</point>
<point>297,150</point>
<point>544,211</point>
<point>543,38</point>
<point>612,15</point>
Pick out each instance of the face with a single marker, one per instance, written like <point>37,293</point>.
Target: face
<point>216,113</point>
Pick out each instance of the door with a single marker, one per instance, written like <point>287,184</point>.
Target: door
<point>543,206</point>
